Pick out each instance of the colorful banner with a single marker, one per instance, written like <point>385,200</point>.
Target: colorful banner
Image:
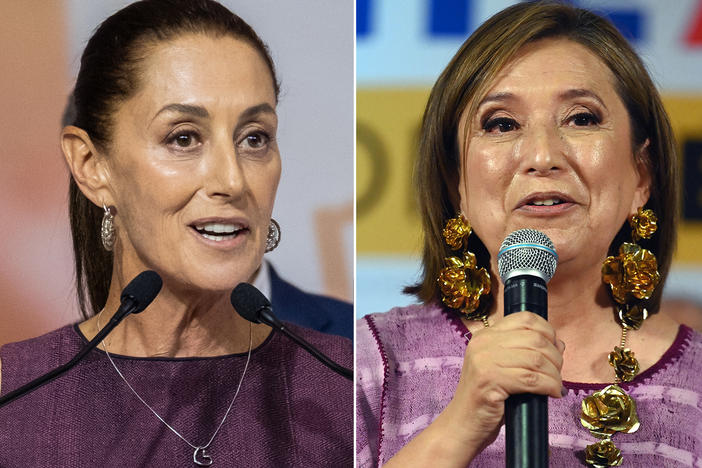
<point>403,45</point>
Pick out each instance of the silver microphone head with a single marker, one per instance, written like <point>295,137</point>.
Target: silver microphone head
<point>527,252</point>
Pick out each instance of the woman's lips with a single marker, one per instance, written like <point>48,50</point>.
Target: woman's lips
<point>545,203</point>
<point>546,209</point>
<point>221,240</point>
<point>221,233</point>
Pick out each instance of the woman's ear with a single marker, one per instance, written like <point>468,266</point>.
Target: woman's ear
<point>87,165</point>
<point>643,169</point>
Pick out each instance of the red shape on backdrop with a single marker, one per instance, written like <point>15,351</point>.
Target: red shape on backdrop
<point>693,36</point>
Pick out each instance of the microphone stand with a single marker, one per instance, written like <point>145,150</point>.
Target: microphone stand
<point>266,316</point>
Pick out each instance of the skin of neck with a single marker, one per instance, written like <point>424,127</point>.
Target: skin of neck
<point>180,322</point>
<point>581,312</point>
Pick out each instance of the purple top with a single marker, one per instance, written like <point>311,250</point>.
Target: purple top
<point>408,362</point>
<point>291,410</point>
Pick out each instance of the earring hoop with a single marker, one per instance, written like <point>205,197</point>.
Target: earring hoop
<point>107,229</point>
<point>273,237</point>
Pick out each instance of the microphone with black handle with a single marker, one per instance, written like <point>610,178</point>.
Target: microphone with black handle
<point>526,261</point>
<point>251,304</point>
<point>135,297</point>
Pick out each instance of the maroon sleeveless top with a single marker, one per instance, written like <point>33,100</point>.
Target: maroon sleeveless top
<point>290,411</point>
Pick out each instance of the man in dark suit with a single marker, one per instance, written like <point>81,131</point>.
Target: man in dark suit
<point>291,304</point>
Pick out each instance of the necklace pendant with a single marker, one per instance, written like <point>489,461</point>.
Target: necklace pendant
<point>201,458</point>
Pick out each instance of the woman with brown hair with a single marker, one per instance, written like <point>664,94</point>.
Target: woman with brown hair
<point>545,119</point>
<point>175,165</point>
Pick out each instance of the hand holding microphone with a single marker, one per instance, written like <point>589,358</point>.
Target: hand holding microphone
<point>518,355</point>
<point>527,261</point>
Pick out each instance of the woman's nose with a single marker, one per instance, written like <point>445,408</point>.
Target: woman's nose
<point>224,175</point>
<point>542,151</point>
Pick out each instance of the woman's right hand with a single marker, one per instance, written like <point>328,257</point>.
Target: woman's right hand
<point>519,354</point>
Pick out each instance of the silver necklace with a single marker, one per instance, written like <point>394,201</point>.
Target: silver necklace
<point>200,455</point>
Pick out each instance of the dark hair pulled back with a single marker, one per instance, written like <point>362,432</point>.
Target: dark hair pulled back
<point>108,76</point>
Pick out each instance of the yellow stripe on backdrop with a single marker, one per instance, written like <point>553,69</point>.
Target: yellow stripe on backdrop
<point>388,123</point>
<point>387,130</point>
<point>686,117</point>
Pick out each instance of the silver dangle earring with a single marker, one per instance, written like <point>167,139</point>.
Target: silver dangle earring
<point>273,238</point>
<point>107,229</point>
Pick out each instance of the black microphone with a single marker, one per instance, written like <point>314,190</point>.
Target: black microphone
<point>526,262</point>
<point>251,304</point>
<point>135,297</point>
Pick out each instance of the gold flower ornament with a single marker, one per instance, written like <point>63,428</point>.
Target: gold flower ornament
<point>626,366</point>
<point>632,317</point>
<point>602,454</point>
<point>633,277</point>
<point>456,231</point>
<point>462,284</point>
<point>643,224</point>
<point>633,274</point>
<point>608,411</point>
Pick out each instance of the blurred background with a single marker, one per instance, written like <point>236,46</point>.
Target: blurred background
<point>403,45</point>
<point>312,43</point>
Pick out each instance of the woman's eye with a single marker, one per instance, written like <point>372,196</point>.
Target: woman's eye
<point>584,119</point>
<point>184,140</point>
<point>256,140</point>
<point>500,125</point>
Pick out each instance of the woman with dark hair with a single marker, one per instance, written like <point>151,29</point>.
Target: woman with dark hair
<point>545,119</point>
<point>174,164</point>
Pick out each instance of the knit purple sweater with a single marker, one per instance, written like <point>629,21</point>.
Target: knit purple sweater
<point>290,411</point>
<point>408,362</point>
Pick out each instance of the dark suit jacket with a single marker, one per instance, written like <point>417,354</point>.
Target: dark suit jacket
<point>321,313</point>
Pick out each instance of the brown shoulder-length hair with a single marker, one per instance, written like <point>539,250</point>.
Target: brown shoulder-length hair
<point>468,77</point>
<point>108,76</point>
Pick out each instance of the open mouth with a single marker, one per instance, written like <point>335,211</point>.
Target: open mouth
<point>546,202</point>
<point>219,232</point>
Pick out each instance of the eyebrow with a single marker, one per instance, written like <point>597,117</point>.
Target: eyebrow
<point>581,92</point>
<point>496,97</point>
<point>569,94</point>
<point>195,111</point>
<point>202,113</point>
<point>253,111</point>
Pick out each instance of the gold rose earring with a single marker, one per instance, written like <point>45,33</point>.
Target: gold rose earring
<point>107,229</point>
<point>632,276</point>
<point>461,282</point>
